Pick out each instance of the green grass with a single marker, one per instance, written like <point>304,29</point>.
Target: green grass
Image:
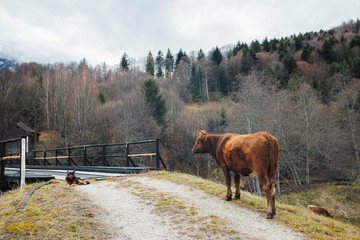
<point>293,216</point>
<point>54,211</point>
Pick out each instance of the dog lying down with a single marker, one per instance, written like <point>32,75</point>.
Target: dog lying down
<point>71,180</point>
<point>319,210</point>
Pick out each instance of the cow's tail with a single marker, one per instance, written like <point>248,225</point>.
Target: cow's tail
<point>274,159</point>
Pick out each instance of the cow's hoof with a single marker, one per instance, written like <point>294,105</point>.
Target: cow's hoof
<point>269,215</point>
<point>228,198</point>
<point>237,196</point>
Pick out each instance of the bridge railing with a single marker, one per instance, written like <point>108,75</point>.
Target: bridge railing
<point>111,155</point>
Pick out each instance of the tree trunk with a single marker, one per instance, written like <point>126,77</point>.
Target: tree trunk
<point>278,181</point>
<point>353,134</point>
<point>258,189</point>
<point>307,162</point>
<point>206,86</point>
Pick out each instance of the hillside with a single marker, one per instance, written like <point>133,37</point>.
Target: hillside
<point>158,204</point>
<point>341,200</point>
<point>304,89</point>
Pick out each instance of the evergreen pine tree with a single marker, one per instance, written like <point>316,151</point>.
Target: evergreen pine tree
<point>355,67</point>
<point>245,50</point>
<point>179,56</point>
<point>223,117</point>
<point>327,52</point>
<point>159,62</point>
<point>169,62</point>
<point>255,45</point>
<point>289,63</point>
<point>252,53</point>
<point>102,97</point>
<point>273,46</point>
<point>266,45</point>
<point>159,72</point>
<point>125,62</point>
<point>298,42</point>
<point>155,100</point>
<point>306,52</point>
<point>355,41</point>
<point>283,51</point>
<point>200,55</point>
<point>150,64</point>
<point>217,56</point>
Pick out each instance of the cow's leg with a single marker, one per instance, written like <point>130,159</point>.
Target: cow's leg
<point>273,192</point>
<point>237,185</point>
<point>266,185</point>
<point>228,183</point>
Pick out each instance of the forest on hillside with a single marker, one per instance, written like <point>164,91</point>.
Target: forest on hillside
<point>304,89</point>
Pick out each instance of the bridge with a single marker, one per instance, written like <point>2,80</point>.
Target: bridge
<point>111,158</point>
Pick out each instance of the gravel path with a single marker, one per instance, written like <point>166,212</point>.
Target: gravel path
<point>146,208</point>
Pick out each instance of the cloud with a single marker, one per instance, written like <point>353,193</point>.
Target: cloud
<point>64,30</point>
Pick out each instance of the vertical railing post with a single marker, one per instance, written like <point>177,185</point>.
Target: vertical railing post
<point>127,153</point>
<point>56,160</point>
<point>84,156</point>
<point>2,171</point>
<point>34,158</point>
<point>44,157</point>
<point>103,155</point>
<point>22,162</point>
<point>157,155</point>
<point>69,156</point>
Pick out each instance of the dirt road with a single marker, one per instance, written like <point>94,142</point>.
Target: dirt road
<point>139,207</point>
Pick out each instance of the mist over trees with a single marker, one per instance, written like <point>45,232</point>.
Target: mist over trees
<point>303,89</point>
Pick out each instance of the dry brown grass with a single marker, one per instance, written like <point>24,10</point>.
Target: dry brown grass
<point>54,211</point>
<point>296,217</point>
<point>341,201</point>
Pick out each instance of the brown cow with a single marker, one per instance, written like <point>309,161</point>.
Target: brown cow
<point>248,155</point>
<point>319,210</point>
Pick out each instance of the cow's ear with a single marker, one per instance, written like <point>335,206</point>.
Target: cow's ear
<point>203,132</point>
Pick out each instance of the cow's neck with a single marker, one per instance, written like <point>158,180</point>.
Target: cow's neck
<point>214,143</point>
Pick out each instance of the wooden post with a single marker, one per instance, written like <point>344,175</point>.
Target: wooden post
<point>157,155</point>
<point>2,171</point>
<point>22,163</point>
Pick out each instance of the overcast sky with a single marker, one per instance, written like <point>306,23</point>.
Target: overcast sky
<point>49,31</point>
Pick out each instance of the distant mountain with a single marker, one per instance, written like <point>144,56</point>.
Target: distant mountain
<point>7,63</point>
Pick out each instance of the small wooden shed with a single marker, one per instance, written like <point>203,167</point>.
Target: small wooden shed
<point>22,130</point>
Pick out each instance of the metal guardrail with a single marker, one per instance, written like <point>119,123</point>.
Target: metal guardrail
<point>110,155</point>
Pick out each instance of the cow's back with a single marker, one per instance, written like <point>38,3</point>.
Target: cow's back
<point>239,151</point>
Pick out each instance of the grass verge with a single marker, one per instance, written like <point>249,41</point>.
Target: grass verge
<point>298,218</point>
<point>54,211</point>
<point>342,201</point>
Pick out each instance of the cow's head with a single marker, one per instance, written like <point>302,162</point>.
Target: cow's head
<point>202,144</point>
